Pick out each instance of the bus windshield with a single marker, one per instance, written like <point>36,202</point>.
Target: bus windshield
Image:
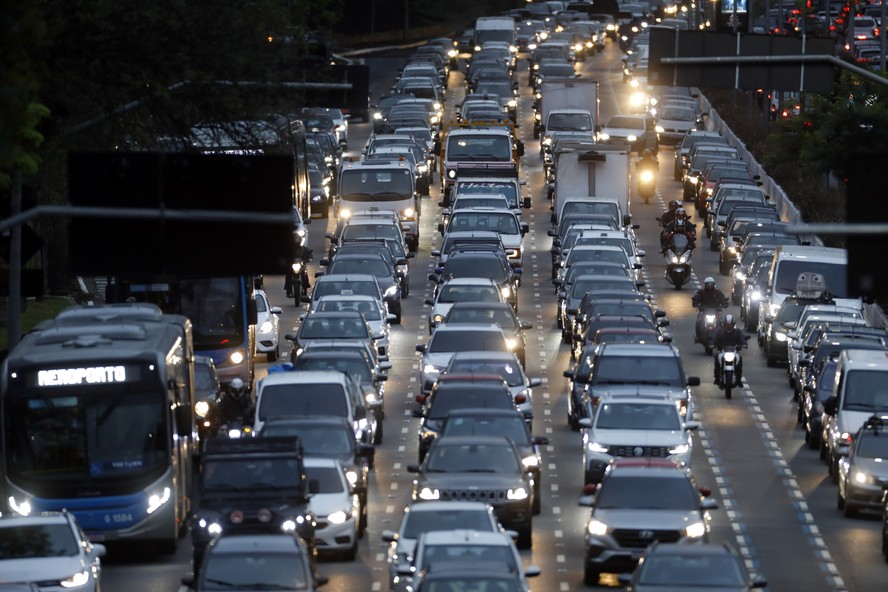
<point>87,435</point>
<point>376,185</point>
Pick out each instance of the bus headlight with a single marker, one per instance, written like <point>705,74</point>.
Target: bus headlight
<point>451,174</point>
<point>236,357</point>
<point>155,501</point>
<point>22,508</point>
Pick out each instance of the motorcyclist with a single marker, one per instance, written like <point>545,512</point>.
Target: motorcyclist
<point>680,225</point>
<point>647,161</point>
<point>728,336</point>
<point>234,402</point>
<point>301,255</point>
<point>669,216</point>
<point>707,297</point>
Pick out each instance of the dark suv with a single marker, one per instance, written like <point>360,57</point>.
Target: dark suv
<point>251,486</point>
<point>479,468</point>
<point>638,502</point>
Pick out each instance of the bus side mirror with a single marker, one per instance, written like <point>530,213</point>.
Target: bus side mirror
<point>184,420</point>
<point>252,312</point>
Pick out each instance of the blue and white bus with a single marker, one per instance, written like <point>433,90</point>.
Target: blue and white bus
<point>97,419</point>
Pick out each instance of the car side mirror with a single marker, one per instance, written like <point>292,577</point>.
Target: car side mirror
<point>305,298</point>
<point>314,486</point>
<point>526,203</point>
<point>421,348</point>
<point>535,382</point>
<point>693,381</point>
<point>526,326</point>
<point>325,261</point>
<point>831,405</point>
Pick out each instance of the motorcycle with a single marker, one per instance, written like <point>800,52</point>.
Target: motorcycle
<point>728,362</point>
<point>708,320</point>
<point>234,429</point>
<point>296,282</point>
<point>678,261</point>
<point>647,184</point>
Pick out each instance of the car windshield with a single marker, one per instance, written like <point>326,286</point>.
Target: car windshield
<point>507,190</point>
<point>465,553</point>
<point>626,122</point>
<point>866,390</point>
<point>624,243</point>
<point>834,274</point>
<point>329,478</point>
<point>646,493</point>
<point>475,267</point>
<point>569,121</point>
<point>37,540</point>
<point>375,267</point>
<point>692,571</point>
<point>454,341</point>
<point>333,328</point>
<point>472,458</point>
<point>247,570</point>
<point>664,370</point>
<point>501,316</point>
<point>639,309</point>
<point>317,439</point>
<point>677,114</point>
<point>499,222</point>
<point>577,255</point>
<point>583,284</point>
<point>450,293</point>
<point>580,207</point>
<point>374,185</point>
<point>446,400</point>
<point>512,427</point>
<point>345,288</point>
<point>419,522</point>
<point>354,366</point>
<point>247,474</point>
<point>370,310</point>
<point>303,399</point>
<point>637,416</point>
<point>509,370</point>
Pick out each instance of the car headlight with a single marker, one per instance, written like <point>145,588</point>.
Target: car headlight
<point>596,447</point>
<point>22,508</point>
<point>266,327</point>
<point>75,581</point>
<point>684,257</point>
<point>430,369</point>
<point>531,461</point>
<point>740,275</point>
<point>352,477</point>
<point>659,129</point>
<point>774,308</point>
<point>517,493</point>
<point>201,408</point>
<point>377,116</point>
<point>680,449</point>
<point>631,138</point>
<point>437,318</point>
<point>451,174</point>
<point>391,291</point>
<point>429,493</point>
<point>673,258</point>
<point>236,357</point>
<point>695,530</point>
<point>506,291</point>
<point>512,343</point>
<point>603,136</point>
<point>862,478</point>
<point>408,213</point>
<point>345,213</point>
<point>779,336</point>
<point>596,528</point>
<point>338,517</point>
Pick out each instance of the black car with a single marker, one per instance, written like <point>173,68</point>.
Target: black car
<point>483,264</point>
<point>328,437</point>
<point>709,566</point>
<point>458,391</point>
<point>393,250</point>
<point>251,486</point>
<point>493,312</point>
<point>502,422</point>
<point>482,468</point>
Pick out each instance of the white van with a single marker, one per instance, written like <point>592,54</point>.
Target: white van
<point>791,260</point>
<point>860,391</point>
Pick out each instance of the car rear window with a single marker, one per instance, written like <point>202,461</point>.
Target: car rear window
<point>302,399</point>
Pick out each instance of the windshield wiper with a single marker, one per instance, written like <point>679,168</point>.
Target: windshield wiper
<point>265,586</point>
<point>479,471</point>
<point>221,582</point>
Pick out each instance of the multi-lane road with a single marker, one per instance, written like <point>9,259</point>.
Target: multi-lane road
<point>776,502</point>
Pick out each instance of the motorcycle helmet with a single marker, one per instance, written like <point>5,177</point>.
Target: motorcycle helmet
<point>236,388</point>
<point>709,283</point>
<point>681,214</point>
<point>674,205</point>
<point>646,153</point>
<point>729,322</point>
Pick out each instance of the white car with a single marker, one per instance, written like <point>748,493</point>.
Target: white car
<point>64,559</point>
<point>268,325</point>
<point>461,290</point>
<point>373,310</point>
<point>336,506</point>
<point>641,423</point>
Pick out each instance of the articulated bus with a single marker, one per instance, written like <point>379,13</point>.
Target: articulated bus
<point>97,419</point>
<point>222,311</point>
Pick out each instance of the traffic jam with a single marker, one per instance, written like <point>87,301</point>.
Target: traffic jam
<point>546,331</point>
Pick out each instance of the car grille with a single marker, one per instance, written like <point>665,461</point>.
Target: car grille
<point>640,538</point>
<point>652,451</point>
<point>484,495</point>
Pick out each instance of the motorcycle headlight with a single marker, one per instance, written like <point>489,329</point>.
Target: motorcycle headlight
<point>452,53</point>
<point>296,267</point>
<point>729,356</point>
<point>756,295</point>
<point>596,528</point>
<point>774,309</point>
<point>437,318</point>
<point>338,517</point>
<point>709,318</point>
<point>512,343</point>
<point>517,493</point>
<point>429,493</point>
<point>695,530</point>
<point>647,176</point>
<point>513,103</point>
<point>692,180</point>
<point>740,276</point>
<point>201,408</point>
<point>408,214</point>
<point>377,116</point>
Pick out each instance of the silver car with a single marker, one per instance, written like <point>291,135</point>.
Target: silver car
<point>373,310</point>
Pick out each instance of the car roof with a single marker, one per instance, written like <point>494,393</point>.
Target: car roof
<point>242,543</point>
<point>304,377</point>
<point>10,521</point>
<point>484,355</point>
<point>438,506</point>
<point>464,536</point>
<point>468,327</point>
<point>321,461</point>
<point>335,314</point>
<point>638,349</point>
<point>485,411</point>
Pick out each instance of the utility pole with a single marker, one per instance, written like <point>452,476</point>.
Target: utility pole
<point>15,265</point>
